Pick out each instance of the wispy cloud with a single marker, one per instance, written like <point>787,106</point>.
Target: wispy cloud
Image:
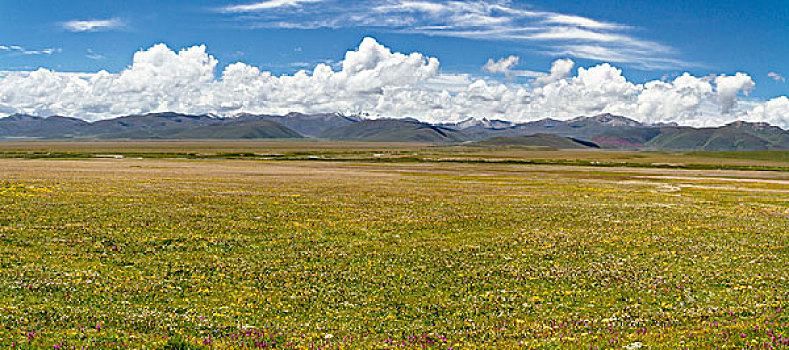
<point>641,58</point>
<point>93,25</point>
<point>581,22</point>
<point>548,32</point>
<point>777,77</point>
<point>19,50</point>
<point>94,55</point>
<point>265,5</point>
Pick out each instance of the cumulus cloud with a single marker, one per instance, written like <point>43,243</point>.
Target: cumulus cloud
<point>676,101</point>
<point>93,25</point>
<point>506,66</point>
<point>775,111</point>
<point>375,80</point>
<point>560,69</point>
<point>161,79</point>
<point>728,87</point>
<point>502,65</point>
<point>601,87</point>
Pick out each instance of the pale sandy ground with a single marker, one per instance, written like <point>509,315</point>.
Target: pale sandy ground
<point>725,179</point>
<point>217,169</point>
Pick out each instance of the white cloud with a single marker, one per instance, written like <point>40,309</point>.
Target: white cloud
<point>375,80</point>
<point>451,83</point>
<point>602,87</point>
<point>560,69</point>
<point>39,52</point>
<point>414,6</point>
<point>19,50</point>
<point>93,25</point>
<point>728,87</point>
<point>582,34</point>
<point>93,55</point>
<point>676,101</point>
<point>777,77</point>
<point>505,66</point>
<point>582,22</point>
<point>774,111</point>
<point>502,65</point>
<point>266,5</point>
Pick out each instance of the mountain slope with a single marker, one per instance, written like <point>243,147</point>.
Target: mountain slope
<point>148,122</point>
<point>305,124</point>
<point>608,130</point>
<point>393,130</point>
<point>146,126</point>
<point>538,140</point>
<point>478,123</point>
<point>775,136</point>
<point>22,125</point>
<point>603,130</point>
<point>585,128</point>
<point>631,137</point>
<point>727,138</point>
<point>260,129</point>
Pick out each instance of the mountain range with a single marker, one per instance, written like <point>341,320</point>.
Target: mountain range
<point>604,131</point>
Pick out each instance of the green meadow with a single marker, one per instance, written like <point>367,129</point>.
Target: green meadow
<point>396,246</point>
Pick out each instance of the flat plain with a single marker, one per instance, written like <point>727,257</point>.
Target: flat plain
<point>349,245</point>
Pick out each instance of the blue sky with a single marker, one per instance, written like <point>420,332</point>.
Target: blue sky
<point>648,40</point>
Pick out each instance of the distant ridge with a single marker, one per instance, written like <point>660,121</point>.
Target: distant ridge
<point>305,124</point>
<point>257,129</point>
<point>580,127</point>
<point>736,136</point>
<point>609,120</point>
<point>537,141</point>
<point>22,125</point>
<point>603,130</point>
<point>481,123</point>
<point>394,130</point>
<point>145,126</point>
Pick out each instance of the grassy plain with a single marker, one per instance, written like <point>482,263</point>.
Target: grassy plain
<point>394,152</point>
<point>289,253</point>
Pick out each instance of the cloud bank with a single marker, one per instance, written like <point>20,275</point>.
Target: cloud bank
<point>373,79</point>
